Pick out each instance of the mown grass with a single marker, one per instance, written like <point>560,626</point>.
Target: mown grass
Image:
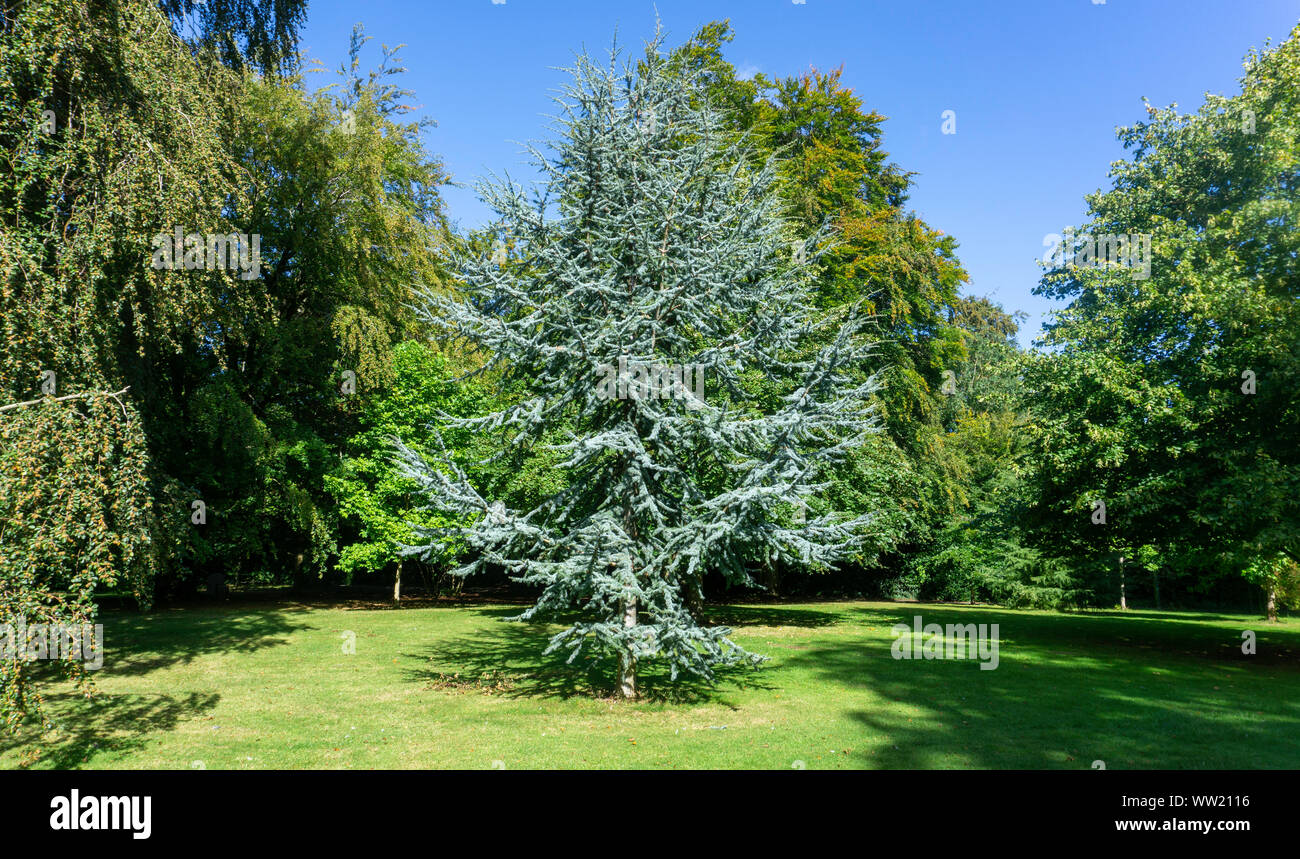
<point>257,686</point>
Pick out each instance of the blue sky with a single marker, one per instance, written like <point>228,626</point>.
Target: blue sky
<point>1038,88</point>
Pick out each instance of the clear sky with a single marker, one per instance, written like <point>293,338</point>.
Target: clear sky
<point>1038,88</point>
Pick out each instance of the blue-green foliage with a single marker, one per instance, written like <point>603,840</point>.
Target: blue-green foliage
<point>654,243</point>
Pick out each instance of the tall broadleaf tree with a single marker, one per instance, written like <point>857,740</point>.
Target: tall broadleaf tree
<point>1171,391</point>
<point>652,244</point>
<point>96,163</point>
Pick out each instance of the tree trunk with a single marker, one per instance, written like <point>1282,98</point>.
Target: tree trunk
<point>627,662</point>
<point>691,592</point>
<point>430,585</point>
<point>1155,580</point>
<point>1123,599</point>
<point>397,586</point>
<point>1272,602</point>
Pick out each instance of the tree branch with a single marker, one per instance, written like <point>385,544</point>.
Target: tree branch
<point>115,396</point>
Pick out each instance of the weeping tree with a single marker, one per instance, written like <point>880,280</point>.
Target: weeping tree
<point>90,95</point>
<point>256,34</point>
<point>654,309</point>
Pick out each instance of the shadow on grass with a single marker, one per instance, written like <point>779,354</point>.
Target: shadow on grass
<point>1071,690</point>
<point>137,644</point>
<point>103,724</point>
<point>1170,633</point>
<point>508,660</point>
<point>1158,615</point>
<point>768,615</point>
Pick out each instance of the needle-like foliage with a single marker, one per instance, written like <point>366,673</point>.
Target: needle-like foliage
<point>653,252</point>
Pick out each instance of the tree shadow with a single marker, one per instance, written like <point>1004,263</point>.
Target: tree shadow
<point>1155,615</point>
<point>509,661</point>
<point>768,615</point>
<point>1069,691</point>
<point>136,644</point>
<point>1168,632</point>
<point>104,724</point>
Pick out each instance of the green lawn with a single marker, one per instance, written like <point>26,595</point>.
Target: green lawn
<point>258,686</point>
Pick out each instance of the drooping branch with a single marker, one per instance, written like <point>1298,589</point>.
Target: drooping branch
<point>116,395</point>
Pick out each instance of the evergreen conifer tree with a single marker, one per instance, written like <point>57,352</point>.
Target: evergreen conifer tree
<point>653,252</point>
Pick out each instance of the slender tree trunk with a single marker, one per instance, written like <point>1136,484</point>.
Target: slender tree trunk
<point>691,592</point>
<point>428,583</point>
<point>1155,580</point>
<point>771,578</point>
<point>1123,599</point>
<point>1272,602</point>
<point>627,662</point>
<point>397,586</point>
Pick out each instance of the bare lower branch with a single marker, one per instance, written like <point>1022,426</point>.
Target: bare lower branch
<point>114,395</point>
